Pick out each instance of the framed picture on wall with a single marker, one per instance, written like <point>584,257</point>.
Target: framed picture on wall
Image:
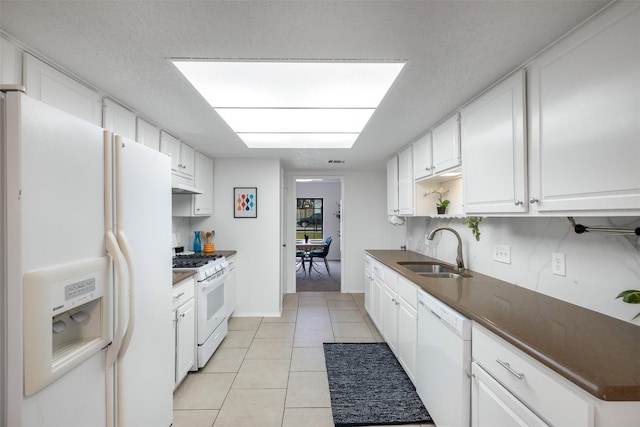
<point>245,202</point>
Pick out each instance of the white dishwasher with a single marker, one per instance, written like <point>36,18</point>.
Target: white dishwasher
<point>444,362</point>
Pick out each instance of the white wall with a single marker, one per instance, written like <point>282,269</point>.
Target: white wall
<point>256,240</point>
<point>598,267</point>
<point>330,192</point>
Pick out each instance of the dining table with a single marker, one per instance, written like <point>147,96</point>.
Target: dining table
<point>308,246</point>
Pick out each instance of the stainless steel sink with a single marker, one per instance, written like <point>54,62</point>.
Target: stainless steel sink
<point>444,275</point>
<point>434,269</point>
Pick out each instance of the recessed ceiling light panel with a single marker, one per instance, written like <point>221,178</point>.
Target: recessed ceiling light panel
<point>285,120</point>
<point>299,140</point>
<point>293,104</point>
<point>291,84</point>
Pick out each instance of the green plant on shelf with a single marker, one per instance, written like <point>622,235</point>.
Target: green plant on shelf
<point>631,296</point>
<point>441,192</point>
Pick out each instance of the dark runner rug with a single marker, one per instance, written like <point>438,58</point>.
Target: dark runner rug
<point>369,387</point>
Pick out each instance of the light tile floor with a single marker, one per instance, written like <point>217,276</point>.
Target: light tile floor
<point>271,371</point>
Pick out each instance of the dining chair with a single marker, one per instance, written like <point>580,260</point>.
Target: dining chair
<point>300,264</point>
<point>321,253</point>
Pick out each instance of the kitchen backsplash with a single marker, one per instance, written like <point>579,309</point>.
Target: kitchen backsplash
<point>182,228</point>
<point>598,267</point>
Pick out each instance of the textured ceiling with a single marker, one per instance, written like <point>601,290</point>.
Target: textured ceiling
<point>453,49</point>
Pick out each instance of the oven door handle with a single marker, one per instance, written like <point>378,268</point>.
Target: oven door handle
<point>211,283</point>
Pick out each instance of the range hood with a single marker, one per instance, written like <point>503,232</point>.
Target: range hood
<point>179,188</point>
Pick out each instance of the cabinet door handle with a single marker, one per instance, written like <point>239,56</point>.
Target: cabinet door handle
<point>182,315</point>
<point>178,296</point>
<point>518,202</point>
<point>506,366</point>
<point>533,200</point>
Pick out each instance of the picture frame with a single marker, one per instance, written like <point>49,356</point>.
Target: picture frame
<point>245,202</point>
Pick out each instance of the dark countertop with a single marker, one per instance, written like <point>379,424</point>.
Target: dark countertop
<point>226,254</point>
<point>179,276</point>
<point>598,353</point>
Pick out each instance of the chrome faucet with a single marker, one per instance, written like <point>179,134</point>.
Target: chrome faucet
<point>459,259</point>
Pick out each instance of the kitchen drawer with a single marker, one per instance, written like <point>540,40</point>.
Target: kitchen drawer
<point>542,390</point>
<point>368,261</point>
<point>377,269</point>
<point>183,292</point>
<point>391,279</point>
<point>408,292</point>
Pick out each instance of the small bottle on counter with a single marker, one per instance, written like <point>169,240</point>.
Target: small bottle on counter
<point>197,243</point>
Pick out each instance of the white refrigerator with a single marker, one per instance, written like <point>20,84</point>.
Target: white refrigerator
<point>86,324</point>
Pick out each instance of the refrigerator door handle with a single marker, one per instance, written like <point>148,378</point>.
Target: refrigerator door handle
<point>122,288</point>
<point>126,251</point>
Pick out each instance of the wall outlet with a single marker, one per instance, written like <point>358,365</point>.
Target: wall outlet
<point>502,253</point>
<point>558,266</point>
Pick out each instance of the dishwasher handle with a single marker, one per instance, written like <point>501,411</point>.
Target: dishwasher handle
<point>429,308</point>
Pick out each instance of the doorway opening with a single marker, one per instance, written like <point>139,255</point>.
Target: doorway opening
<point>318,231</point>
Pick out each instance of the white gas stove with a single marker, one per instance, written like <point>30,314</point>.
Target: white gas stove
<point>211,308</point>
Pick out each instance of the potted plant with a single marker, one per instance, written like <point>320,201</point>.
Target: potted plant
<point>441,203</point>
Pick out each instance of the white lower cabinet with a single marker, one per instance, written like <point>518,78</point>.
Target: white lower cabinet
<point>523,391</point>
<point>184,328</point>
<point>185,339</point>
<point>407,336</point>
<point>492,405</point>
<point>389,314</point>
<point>376,296</point>
<point>368,279</point>
<point>392,302</point>
<point>510,388</point>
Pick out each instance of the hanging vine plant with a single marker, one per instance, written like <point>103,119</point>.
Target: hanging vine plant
<point>473,222</point>
<point>631,296</point>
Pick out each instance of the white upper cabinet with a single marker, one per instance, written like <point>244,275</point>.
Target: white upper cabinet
<point>10,63</point>
<point>203,203</point>
<point>585,118</point>
<point>446,144</point>
<point>422,157</point>
<point>182,155</point>
<point>493,145</point>
<point>147,134</point>
<point>50,86</point>
<point>192,205</point>
<point>118,119</point>
<point>392,186</point>
<point>405,181</point>
<point>170,146</point>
